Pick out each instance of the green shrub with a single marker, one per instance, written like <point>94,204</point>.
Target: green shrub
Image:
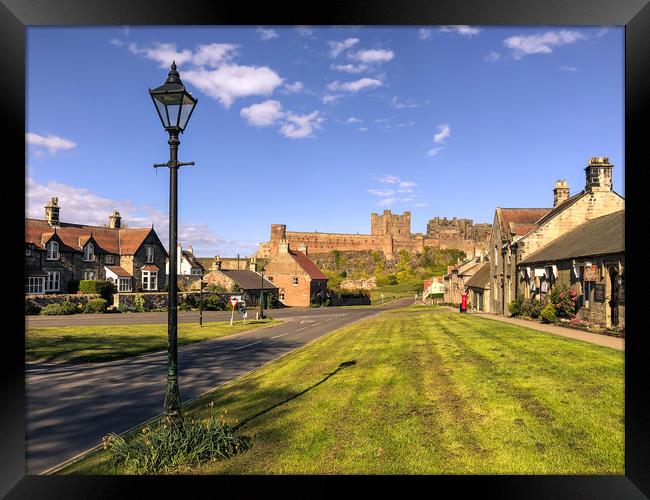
<point>95,306</point>
<point>343,274</point>
<point>534,307</point>
<point>88,286</point>
<point>516,306</point>
<point>213,303</point>
<point>139,303</point>
<point>350,294</point>
<point>215,288</point>
<point>62,308</point>
<point>31,307</point>
<point>123,308</point>
<point>106,289</point>
<point>548,314</point>
<point>564,300</point>
<point>170,447</point>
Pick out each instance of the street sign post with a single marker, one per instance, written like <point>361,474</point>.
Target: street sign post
<point>242,310</point>
<point>233,303</point>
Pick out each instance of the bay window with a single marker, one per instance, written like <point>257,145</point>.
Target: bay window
<point>124,285</point>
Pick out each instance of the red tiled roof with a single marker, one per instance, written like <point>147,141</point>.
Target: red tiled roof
<point>307,265</point>
<point>151,267</point>
<point>125,241</point>
<point>119,271</point>
<point>516,216</point>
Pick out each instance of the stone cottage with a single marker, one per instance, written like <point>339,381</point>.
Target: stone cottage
<point>60,253</point>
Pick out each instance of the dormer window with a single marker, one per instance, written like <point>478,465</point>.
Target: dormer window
<point>89,252</point>
<point>150,254</point>
<point>53,250</point>
<point>110,258</point>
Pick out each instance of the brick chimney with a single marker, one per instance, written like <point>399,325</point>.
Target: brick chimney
<point>52,212</point>
<point>302,247</point>
<point>283,246</point>
<point>216,263</point>
<point>561,192</point>
<point>114,220</point>
<point>599,174</point>
<point>252,264</point>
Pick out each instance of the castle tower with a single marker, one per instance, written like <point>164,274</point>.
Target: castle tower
<point>52,212</point>
<point>599,174</point>
<point>278,232</point>
<point>561,192</point>
<point>114,220</point>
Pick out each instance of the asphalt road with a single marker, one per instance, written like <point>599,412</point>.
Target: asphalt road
<point>70,407</point>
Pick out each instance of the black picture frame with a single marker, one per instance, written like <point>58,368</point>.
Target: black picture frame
<point>16,15</point>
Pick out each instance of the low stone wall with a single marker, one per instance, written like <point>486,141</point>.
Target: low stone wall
<point>157,300</point>
<point>57,298</point>
<point>350,301</point>
<point>350,284</point>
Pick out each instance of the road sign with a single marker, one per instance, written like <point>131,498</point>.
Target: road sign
<point>234,300</point>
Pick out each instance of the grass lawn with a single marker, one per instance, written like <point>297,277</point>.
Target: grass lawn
<point>421,390</point>
<point>89,344</point>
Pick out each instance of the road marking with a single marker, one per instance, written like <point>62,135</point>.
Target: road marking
<point>281,335</point>
<point>247,345</point>
<point>303,328</point>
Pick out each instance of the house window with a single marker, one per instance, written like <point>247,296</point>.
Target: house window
<point>282,297</point>
<point>52,283</point>
<point>270,278</point>
<point>35,284</point>
<point>53,250</point>
<point>124,284</point>
<point>295,281</point>
<point>28,251</point>
<point>89,275</point>
<point>110,258</point>
<point>89,252</point>
<point>150,280</point>
<point>150,254</point>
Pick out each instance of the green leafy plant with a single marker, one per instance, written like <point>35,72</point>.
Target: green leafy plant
<point>31,307</point>
<point>66,307</point>
<point>170,447</point>
<point>564,299</point>
<point>96,306</point>
<point>516,306</point>
<point>548,314</point>
<point>139,305</point>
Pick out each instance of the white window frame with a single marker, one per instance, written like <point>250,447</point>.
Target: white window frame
<point>53,281</point>
<point>124,284</point>
<point>295,281</point>
<point>110,258</point>
<point>28,251</point>
<point>89,273</point>
<point>281,296</point>
<point>53,250</point>
<point>35,285</point>
<point>151,255</point>
<point>89,252</point>
<point>147,278</point>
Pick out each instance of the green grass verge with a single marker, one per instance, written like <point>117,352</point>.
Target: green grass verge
<point>430,392</point>
<point>90,344</point>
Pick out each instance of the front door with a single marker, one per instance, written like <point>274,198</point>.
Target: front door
<point>613,302</point>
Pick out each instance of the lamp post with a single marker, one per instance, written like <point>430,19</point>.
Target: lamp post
<point>262,292</point>
<point>174,106</point>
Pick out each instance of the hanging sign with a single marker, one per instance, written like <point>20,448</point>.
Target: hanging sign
<point>599,293</point>
<point>590,273</point>
<point>544,286</point>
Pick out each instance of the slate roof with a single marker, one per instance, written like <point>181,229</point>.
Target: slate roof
<point>600,236</point>
<point>194,261</point>
<point>307,265</point>
<point>481,278</point>
<point>248,280</point>
<point>123,241</point>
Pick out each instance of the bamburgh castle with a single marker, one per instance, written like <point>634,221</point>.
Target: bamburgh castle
<point>389,233</point>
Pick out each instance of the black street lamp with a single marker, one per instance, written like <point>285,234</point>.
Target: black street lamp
<point>174,106</point>
<point>262,293</point>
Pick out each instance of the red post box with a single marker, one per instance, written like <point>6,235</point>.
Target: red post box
<point>463,303</point>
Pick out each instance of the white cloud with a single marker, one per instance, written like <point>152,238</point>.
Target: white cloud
<point>353,119</point>
<point>349,68</point>
<point>407,124</point>
<point>263,114</point>
<point>82,206</point>
<point>408,103</point>
<point>52,143</point>
<point>294,87</point>
<point>363,129</point>
<point>570,69</point>
<point>162,53</point>
<point>373,56</point>
<point>492,57</point>
<point>386,202</point>
<point>305,31</point>
<point>418,205</point>
<point>389,179</point>
<point>407,184</point>
<point>355,86</point>
<point>214,54</point>
<point>434,151</point>
<point>267,34</point>
<point>443,132</point>
<point>337,47</point>
<point>463,30</point>
<point>541,43</point>
<point>301,126</point>
<point>602,32</point>
<point>381,192</point>
<point>331,98</point>
<point>229,82</point>
<point>424,33</point>
<point>117,42</point>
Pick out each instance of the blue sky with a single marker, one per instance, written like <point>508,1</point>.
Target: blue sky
<point>318,127</point>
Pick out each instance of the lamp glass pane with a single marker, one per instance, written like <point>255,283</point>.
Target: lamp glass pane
<point>173,110</point>
<point>163,112</point>
<point>186,109</point>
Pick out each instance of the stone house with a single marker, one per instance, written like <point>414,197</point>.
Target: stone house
<point>520,232</point>
<point>187,263</point>
<point>298,279</point>
<point>591,259</point>
<point>246,281</point>
<point>456,278</point>
<point>59,253</point>
<point>478,288</point>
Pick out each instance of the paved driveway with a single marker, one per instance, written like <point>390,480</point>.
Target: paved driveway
<point>70,408</point>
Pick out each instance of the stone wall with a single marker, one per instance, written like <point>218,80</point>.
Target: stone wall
<point>156,300</point>
<point>41,300</point>
<point>350,301</point>
<point>359,284</point>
